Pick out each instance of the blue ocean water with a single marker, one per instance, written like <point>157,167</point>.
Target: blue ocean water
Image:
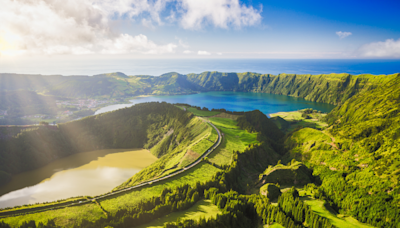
<point>233,101</point>
<point>157,67</point>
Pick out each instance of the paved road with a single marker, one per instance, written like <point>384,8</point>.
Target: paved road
<point>121,191</point>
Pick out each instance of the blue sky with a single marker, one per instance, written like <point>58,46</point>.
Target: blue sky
<point>199,29</point>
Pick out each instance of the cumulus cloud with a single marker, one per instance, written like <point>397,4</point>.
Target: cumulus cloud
<point>386,49</point>
<point>73,27</point>
<point>187,52</point>
<point>221,13</point>
<point>203,53</point>
<point>343,35</point>
<point>86,26</point>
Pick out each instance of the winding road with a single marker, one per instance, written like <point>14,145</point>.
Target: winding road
<point>117,192</point>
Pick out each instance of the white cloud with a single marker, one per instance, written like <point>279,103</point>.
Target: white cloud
<point>386,49</point>
<point>87,27</point>
<point>187,52</point>
<point>73,27</point>
<point>220,13</point>
<point>219,53</point>
<point>343,35</point>
<point>203,53</point>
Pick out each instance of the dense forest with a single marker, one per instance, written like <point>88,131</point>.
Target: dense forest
<point>141,126</point>
<point>358,157</point>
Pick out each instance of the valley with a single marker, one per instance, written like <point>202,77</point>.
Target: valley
<point>338,169</point>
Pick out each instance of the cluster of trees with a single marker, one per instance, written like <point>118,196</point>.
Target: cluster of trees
<point>237,212</point>
<point>300,212</point>
<point>256,121</point>
<point>376,208</point>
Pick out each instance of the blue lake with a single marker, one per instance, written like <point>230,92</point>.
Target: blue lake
<point>233,101</point>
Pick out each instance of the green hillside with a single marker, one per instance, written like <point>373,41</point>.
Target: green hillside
<point>141,126</point>
<point>357,156</point>
<point>347,161</point>
<point>327,88</point>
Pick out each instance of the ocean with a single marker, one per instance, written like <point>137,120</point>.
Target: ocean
<point>157,67</point>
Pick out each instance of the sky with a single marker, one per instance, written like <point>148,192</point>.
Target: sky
<point>274,29</point>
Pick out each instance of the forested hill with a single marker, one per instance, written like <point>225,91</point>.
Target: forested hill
<point>328,88</point>
<point>141,126</point>
<point>358,156</point>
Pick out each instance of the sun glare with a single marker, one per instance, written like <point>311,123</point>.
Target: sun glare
<point>9,44</point>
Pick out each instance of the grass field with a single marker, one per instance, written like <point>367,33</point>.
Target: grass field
<point>234,139</point>
<point>319,207</point>
<point>67,217</point>
<point>203,208</point>
<point>297,120</point>
<point>202,143</point>
<point>202,113</point>
<point>205,143</point>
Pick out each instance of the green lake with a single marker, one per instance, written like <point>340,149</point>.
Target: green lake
<point>84,174</point>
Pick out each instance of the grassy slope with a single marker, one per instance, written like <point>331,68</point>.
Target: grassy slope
<point>171,161</point>
<point>200,173</point>
<point>307,139</point>
<point>203,208</point>
<point>358,156</point>
<point>63,217</point>
<point>323,209</point>
<point>202,113</point>
<point>234,139</point>
<point>296,120</point>
<point>320,208</point>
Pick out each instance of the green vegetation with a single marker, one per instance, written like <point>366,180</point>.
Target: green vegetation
<point>328,88</point>
<point>172,155</point>
<point>289,121</point>
<point>203,113</point>
<point>202,209</point>
<point>323,209</point>
<point>234,139</point>
<point>20,103</point>
<point>272,191</point>
<point>293,174</point>
<point>355,159</point>
<point>142,125</point>
<point>275,225</point>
